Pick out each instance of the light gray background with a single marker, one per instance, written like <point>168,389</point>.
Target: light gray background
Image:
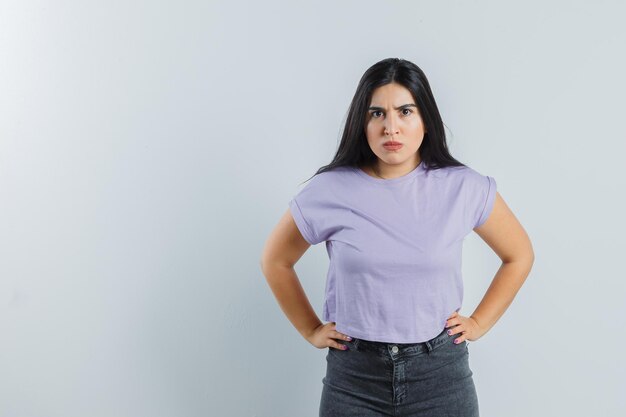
<point>147,149</point>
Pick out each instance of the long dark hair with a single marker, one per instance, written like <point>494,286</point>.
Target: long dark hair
<point>354,150</point>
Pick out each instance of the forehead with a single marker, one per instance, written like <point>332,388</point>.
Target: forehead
<point>391,95</point>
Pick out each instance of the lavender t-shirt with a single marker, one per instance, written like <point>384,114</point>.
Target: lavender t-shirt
<point>394,246</point>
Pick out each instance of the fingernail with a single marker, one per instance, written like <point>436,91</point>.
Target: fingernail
<point>345,347</point>
<point>449,331</point>
<point>348,337</point>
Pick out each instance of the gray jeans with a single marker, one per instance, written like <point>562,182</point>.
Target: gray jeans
<point>429,379</point>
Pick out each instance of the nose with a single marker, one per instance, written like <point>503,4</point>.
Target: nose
<point>391,127</point>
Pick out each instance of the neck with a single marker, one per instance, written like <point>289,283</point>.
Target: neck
<point>376,170</point>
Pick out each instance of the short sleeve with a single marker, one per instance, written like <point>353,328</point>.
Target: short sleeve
<point>482,199</point>
<point>486,196</point>
<point>302,222</point>
<point>310,209</point>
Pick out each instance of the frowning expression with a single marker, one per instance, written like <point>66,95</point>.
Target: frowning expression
<point>394,127</point>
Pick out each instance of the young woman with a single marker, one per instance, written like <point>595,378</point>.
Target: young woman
<point>394,207</point>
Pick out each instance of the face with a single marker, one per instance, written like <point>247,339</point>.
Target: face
<point>394,116</point>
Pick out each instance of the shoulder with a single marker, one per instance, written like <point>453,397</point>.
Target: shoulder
<point>461,179</point>
<point>451,173</point>
<point>459,173</point>
<point>334,178</point>
<point>475,186</point>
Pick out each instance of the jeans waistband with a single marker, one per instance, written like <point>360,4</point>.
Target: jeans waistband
<point>396,349</point>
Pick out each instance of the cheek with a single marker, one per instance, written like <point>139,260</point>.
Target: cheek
<point>417,131</point>
<point>372,133</point>
<point>416,125</point>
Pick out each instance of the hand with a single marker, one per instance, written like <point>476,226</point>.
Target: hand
<point>324,336</point>
<point>467,327</point>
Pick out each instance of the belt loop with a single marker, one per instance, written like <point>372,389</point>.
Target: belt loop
<point>428,347</point>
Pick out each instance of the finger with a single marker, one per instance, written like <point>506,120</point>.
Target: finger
<point>460,339</point>
<point>452,322</point>
<point>342,336</point>
<point>455,330</point>
<point>336,345</point>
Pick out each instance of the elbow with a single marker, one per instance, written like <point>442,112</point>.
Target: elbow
<point>526,258</point>
<point>525,255</point>
<point>262,265</point>
<point>267,266</point>
<point>270,266</point>
<point>526,261</point>
<point>531,254</point>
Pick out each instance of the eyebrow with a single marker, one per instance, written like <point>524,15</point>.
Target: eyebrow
<point>397,108</point>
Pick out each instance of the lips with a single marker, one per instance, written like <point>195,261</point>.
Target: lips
<point>392,145</point>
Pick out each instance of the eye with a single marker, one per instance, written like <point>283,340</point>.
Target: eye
<point>373,114</point>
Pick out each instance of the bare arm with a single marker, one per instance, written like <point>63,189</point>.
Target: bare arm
<point>508,239</point>
<point>284,247</point>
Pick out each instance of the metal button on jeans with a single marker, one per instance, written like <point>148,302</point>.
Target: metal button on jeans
<point>394,349</point>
